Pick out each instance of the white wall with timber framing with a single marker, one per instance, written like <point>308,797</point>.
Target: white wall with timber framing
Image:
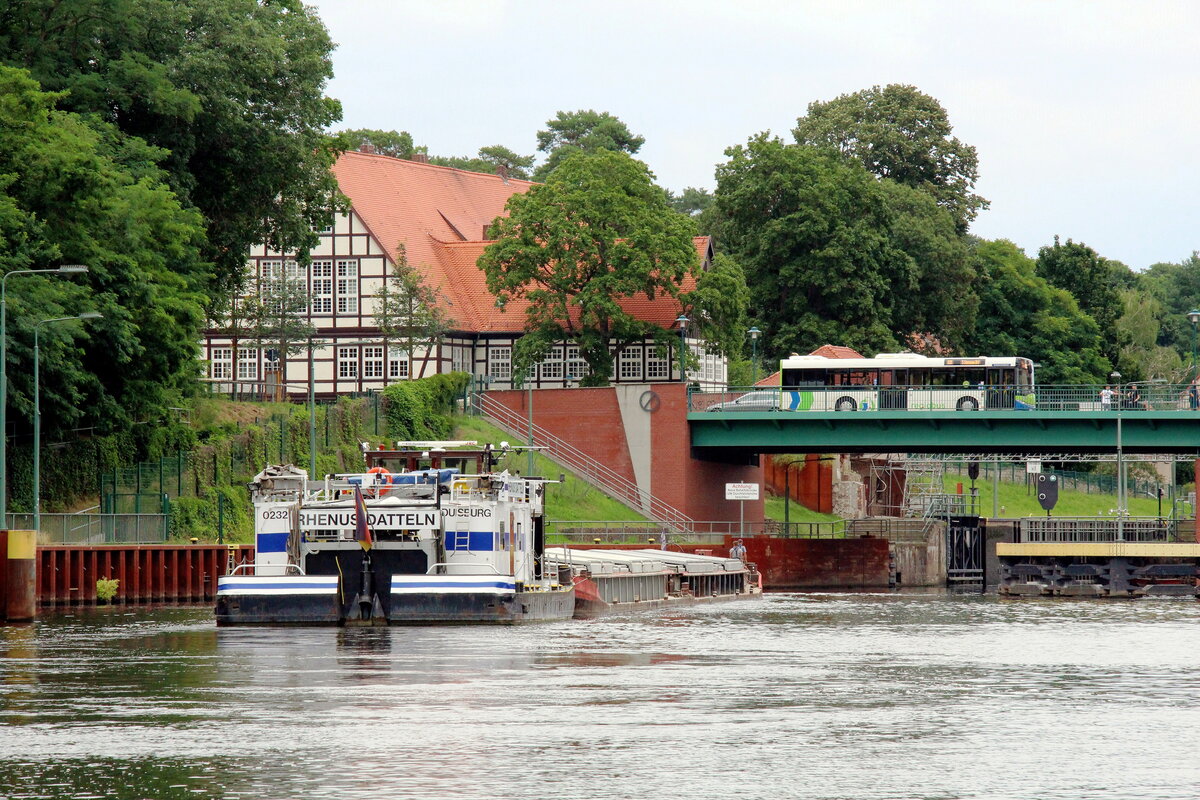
<point>348,267</point>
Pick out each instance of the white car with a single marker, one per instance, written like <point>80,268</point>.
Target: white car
<point>751,401</point>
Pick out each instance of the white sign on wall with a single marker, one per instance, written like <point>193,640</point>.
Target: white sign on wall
<point>1033,466</point>
<point>741,491</point>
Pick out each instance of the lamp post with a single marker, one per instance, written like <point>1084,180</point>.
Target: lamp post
<point>1194,318</point>
<point>37,412</point>
<point>682,322</point>
<point>754,334</point>
<point>1115,377</point>
<point>66,269</point>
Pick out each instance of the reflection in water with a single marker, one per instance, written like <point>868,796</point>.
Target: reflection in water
<point>807,696</point>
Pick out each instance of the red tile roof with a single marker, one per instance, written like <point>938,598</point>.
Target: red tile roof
<point>836,351</point>
<point>440,214</point>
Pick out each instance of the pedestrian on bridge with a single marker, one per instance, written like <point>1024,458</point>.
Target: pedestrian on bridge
<point>1106,398</point>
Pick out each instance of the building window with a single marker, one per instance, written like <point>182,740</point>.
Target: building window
<point>552,365</point>
<point>372,362</point>
<point>576,367</point>
<point>347,362</point>
<point>500,363</point>
<point>322,287</point>
<point>460,359</point>
<point>397,364</point>
<point>221,367</point>
<point>657,368</point>
<point>347,286</point>
<point>247,364</point>
<point>629,364</point>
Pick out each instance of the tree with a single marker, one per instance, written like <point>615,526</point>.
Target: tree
<point>274,317</point>
<point>583,132</point>
<point>944,302</point>
<point>488,159</point>
<point>406,312</point>
<point>1021,314</point>
<point>813,235</point>
<point>231,90</point>
<point>1176,287</point>
<point>900,133</point>
<point>717,306</point>
<point>690,201</point>
<point>596,233</point>
<point>1093,281</point>
<point>398,144</point>
<point>74,191</point>
<point>1140,324</point>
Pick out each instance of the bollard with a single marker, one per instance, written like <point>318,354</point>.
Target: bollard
<point>21,576</point>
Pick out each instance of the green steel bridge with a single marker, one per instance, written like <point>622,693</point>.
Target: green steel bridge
<point>1143,419</point>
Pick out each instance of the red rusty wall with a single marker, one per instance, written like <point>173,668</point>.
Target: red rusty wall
<point>590,419</point>
<point>67,574</point>
<point>809,483</point>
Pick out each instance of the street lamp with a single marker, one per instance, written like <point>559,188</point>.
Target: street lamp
<point>37,413</point>
<point>682,322</point>
<point>754,334</point>
<point>67,269</point>
<point>1194,318</point>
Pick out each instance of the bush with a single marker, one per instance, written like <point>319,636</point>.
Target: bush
<point>422,409</point>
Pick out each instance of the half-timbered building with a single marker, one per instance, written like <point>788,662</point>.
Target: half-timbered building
<point>439,215</point>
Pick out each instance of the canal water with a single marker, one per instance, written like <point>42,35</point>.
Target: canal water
<point>795,696</point>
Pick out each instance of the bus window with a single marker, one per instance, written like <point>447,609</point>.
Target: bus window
<point>974,376</point>
<point>863,377</point>
<point>918,377</point>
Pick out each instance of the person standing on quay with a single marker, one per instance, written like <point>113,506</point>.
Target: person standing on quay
<point>738,550</point>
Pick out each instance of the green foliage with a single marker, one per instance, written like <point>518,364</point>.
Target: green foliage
<point>422,409</point>
<point>582,131</point>
<point>398,144</point>
<point>228,93</point>
<point>272,316</point>
<point>596,233</point>
<point>813,234</point>
<point>1094,282</point>
<point>898,132</point>
<point>717,306</point>
<point>74,192</point>
<point>205,516</point>
<point>1021,314</point>
<point>690,201</point>
<point>106,589</point>
<point>488,159</point>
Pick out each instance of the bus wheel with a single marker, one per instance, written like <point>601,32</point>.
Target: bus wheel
<point>968,404</point>
<point>845,404</point>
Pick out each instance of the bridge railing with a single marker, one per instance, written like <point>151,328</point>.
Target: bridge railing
<point>1102,529</point>
<point>1084,398</point>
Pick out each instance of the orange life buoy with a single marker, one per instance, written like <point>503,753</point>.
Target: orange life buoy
<point>384,477</point>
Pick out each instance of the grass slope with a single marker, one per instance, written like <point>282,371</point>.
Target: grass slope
<point>572,500</point>
<point>1016,500</point>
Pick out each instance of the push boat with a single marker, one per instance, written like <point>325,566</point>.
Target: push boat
<point>440,545</point>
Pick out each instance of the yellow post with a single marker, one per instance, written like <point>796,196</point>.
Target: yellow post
<point>21,576</point>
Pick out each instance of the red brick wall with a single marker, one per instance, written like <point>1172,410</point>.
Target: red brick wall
<point>808,482</point>
<point>590,420</point>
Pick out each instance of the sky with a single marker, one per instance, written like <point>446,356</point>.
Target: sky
<point>1084,114</point>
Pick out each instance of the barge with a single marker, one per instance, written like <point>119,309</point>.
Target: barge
<point>616,581</point>
<point>1099,569</point>
<point>432,545</point>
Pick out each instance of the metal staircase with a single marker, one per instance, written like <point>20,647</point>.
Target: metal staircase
<point>584,466</point>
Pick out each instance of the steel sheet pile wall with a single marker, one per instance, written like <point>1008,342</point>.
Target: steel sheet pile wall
<point>67,574</point>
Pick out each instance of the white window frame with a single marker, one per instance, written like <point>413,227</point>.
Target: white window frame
<point>347,363</point>
<point>221,363</point>
<point>577,368</point>
<point>247,368</point>
<point>372,361</point>
<point>553,368</point>
<point>500,363</point>
<point>321,290</point>
<point>657,367</point>
<point>629,364</point>
<point>399,364</point>
<point>347,285</point>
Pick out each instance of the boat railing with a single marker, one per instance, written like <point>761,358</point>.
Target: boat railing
<point>433,567</point>
<point>250,568</point>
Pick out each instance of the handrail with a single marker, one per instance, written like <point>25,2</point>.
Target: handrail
<point>598,474</point>
<point>1081,398</point>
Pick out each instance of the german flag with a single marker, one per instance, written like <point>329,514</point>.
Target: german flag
<point>362,530</point>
